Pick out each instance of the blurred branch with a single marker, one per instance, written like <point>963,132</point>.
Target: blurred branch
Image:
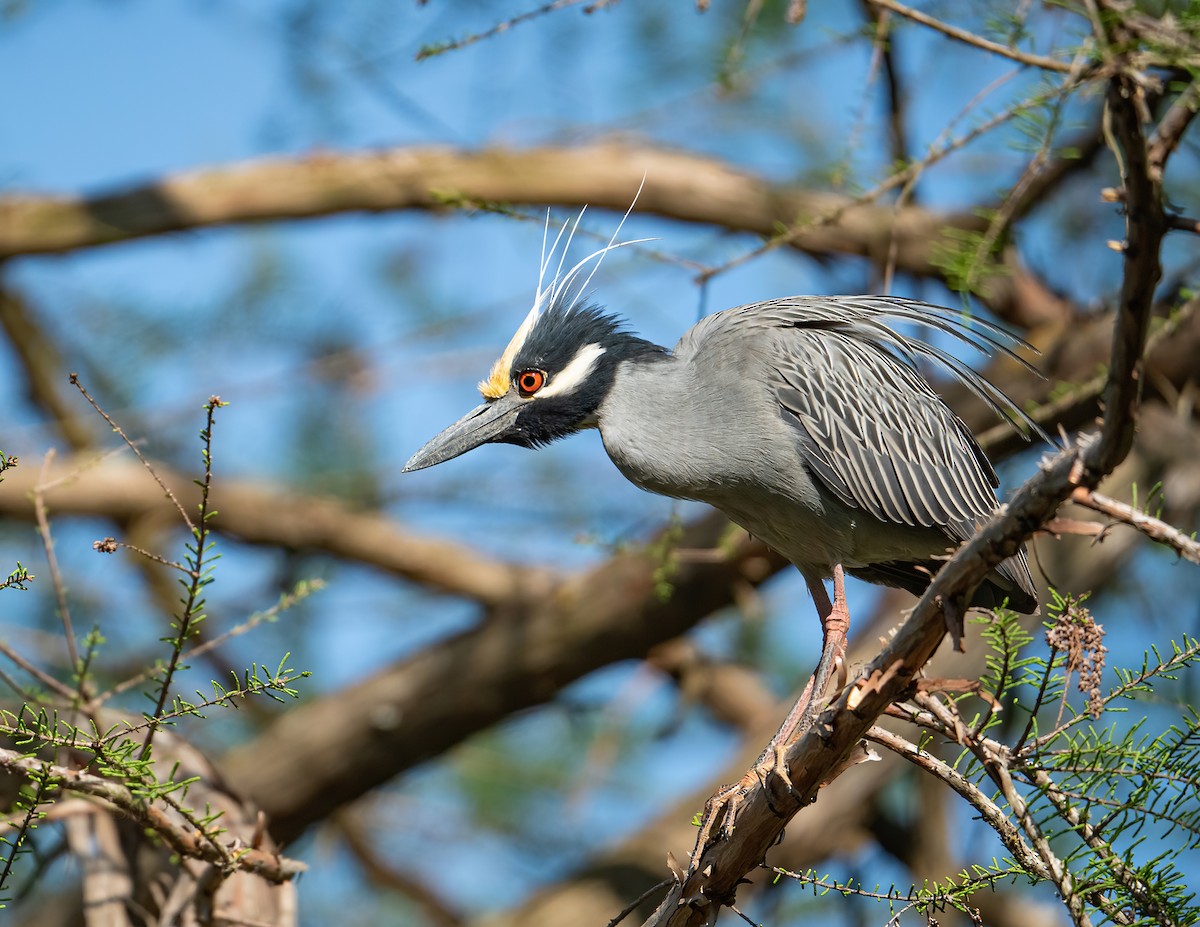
<point>358,738</point>
<point>123,492</point>
<point>731,693</point>
<point>680,186</point>
<point>1154,528</point>
<point>42,368</point>
<point>1070,394</point>
<point>1172,126</point>
<point>968,37</point>
<point>355,830</point>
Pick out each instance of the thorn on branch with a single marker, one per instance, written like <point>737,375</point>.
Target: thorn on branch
<point>1178,223</point>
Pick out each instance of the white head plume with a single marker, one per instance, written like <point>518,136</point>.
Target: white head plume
<point>558,290</point>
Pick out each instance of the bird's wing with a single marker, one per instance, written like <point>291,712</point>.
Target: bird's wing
<point>872,430</point>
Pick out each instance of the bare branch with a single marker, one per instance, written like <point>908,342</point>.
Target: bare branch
<point>680,186</point>
<point>992,813</point>
<point>1154,528</point>
<point>977,41</point>
<point>56,579</point>
<point>136,453</point>
<point>1171,127</point>
<point>258,515</point>
<point>54,685</point>
<point>42,368</point>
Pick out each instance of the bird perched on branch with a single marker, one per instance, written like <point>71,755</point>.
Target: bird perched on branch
<point>805,420</point>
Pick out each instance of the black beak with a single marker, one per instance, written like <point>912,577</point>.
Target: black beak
<point>486,424</point>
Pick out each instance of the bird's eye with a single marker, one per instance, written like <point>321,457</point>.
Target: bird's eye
<point>530,381</point>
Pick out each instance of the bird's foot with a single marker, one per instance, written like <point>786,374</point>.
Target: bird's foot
<point>719,817</point>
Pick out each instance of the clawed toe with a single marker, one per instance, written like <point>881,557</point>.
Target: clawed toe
<point>771,773</point>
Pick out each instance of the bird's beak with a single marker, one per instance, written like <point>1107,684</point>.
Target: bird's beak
<point>491,422</point>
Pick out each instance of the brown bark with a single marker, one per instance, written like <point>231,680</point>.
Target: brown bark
<point>606,175</point>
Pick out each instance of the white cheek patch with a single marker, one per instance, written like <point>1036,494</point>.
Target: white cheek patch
<point>571,376</point>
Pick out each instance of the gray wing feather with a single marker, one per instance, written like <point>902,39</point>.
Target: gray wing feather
<point>879,437</point>
<point>873,430</point>
<point>869,427</point>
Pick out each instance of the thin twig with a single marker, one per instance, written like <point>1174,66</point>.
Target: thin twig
<point>112,545</point>
<point>970,38</point>
<point>992,813</point>
<point>1091,836</point>
<point>898,179</point>
<point>301,592</point>
<point>1006,212</point>
<point>193,602</point>
<point>1154,528</point>
<point>633,905</point>
<point>133,447</point>
<point>430,51</point>
<point>56,580</point>
<point>1178,223</point>
<point>41,676</point>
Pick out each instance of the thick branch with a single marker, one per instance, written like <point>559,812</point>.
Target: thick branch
<point>679,186</point>
<point>359,738</point>
<point>42,368</point>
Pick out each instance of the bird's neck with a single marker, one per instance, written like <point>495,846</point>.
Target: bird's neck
<point>643,422</point>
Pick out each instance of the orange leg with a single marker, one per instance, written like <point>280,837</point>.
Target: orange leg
<point>835,625</point>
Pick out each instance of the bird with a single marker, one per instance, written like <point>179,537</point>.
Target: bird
<point>806,420</point>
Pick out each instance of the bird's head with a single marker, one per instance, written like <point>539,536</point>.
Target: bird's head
<point>552,377</point>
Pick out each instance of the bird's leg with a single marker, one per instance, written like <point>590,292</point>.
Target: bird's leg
<point>835,625</point>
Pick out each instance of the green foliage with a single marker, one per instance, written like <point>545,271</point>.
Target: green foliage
<point>20,577</point>
<point>663,550</point>
<point>26,811</point>
<point>926,900</point>
<point>1115,792</point>
<point>969,260</point>
<point>64,734</point>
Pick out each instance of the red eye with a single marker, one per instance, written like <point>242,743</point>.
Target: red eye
<point>530,381</point>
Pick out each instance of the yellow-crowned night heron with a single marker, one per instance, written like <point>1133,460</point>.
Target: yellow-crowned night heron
<point>805,420</point>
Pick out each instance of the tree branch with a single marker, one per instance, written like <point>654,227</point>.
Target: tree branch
<point>183,841</point>
<point>356,739</point>
<point>258,515</point>
<point>1154,528</point>
<point>967,37</point>
<point>680,186</point>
